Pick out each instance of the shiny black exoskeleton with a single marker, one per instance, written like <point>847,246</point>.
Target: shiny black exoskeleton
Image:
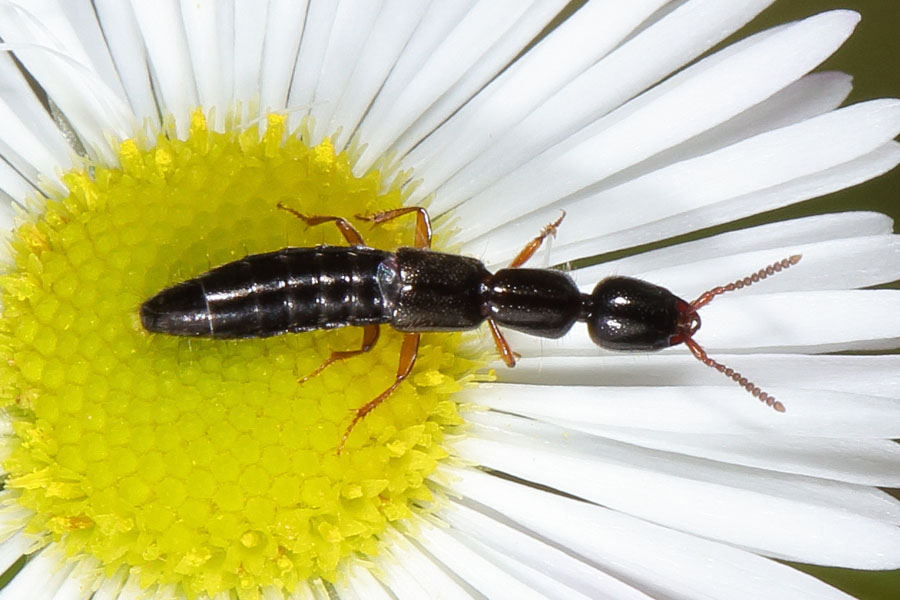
<point>415,290</point>
<point>412,290</point>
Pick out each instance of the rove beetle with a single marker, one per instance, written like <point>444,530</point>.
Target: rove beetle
<point>415,290</point>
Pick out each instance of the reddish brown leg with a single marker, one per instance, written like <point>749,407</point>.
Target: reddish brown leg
<point>532,246</point>
<point>506,353</point>
<point>408,352</point>
<point>349,232</point>
<point>423,222</point>
<point>370,336</point>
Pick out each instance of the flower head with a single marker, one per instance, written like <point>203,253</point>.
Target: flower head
<point>167,139</point>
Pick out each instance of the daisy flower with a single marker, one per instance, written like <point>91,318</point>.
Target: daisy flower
<point>144,143</point>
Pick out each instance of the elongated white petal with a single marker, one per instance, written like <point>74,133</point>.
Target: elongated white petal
<point>483,575</point>
<point>577,574</point>
<point>54,152</point>
<point>390,33</point>
<point>835,264</point>
<point>864,375</point>
<point>664,562</point>
<point>250,18</point>
<point>210,35</point>
<point>341,55</point>
<point>696,409</point>
<point>654,53</point>
<point>814,456</point>
<point>356,582</point>
<point>810,96</point>
<point>73,26</point>
<point>166,44</point>
<point>412,573</point>
<point>771,236</point>
<point>40,579</point>
<point>288,35</point>
<point>122,35</point>
<point>877,162</point>
<point>726,83</point>
<point>12,550</point>
<point>535,578</point>
<point>756,165</point>
<point>587,35</point>
<point>92,108</point>
<point>663,488</point>
<point>486,38</point>
<point>111,586</point>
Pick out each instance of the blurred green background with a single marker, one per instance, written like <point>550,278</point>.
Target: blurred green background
<point>872,56</point>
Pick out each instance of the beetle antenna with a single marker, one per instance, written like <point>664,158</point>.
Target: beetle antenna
<point>707,297</point>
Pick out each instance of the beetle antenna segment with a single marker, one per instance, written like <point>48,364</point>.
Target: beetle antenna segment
<point>707,297</point>
<point>694,321</point>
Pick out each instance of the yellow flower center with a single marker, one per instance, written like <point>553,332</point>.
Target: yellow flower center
<point>204,463</point>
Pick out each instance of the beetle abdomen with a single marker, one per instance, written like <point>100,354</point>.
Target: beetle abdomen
<point>262,295</point>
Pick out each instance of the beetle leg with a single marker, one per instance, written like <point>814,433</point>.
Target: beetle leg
<point>506,353</point>
<point>532,246</point>
<point>347,230</point>
<point>408,352</point>
<point>423,222</point>
<point>370,336</point>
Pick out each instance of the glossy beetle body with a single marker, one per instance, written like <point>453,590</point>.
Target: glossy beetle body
<point>413,290</point>
<point>416,290</point>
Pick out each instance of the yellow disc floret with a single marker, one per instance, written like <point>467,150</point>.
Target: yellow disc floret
<point>204,464</point>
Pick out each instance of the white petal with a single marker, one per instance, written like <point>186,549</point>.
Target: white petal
<point>753,166</point>
<point>344,46</point>
<point>166,44</point>
<point>483,575</point>
<point>877,162</point>
<point>485,40</point>
<point>111,586</point>
<point>390,33</point>
<point>122,35</point>
<point>652,54</point>
<point>72,24</point>
<point>250,19</point>
<point>356,582</point>
<point>92,108</point>
<point>566,52</point>
<point>412,573</point>
<point>836,264</point>
<point>703,96</point>
<point>488,529</point>
<point>724,409</point>
<point>780,234</point>
<point>80,583</point>
<point>827,458</point>
<point>294,29</point>
<point>40,579</point>
<point>863,375</point>
<point>33,142</point>
<point>663,562</point>
<point>689,494</point>
<point>209,29</point>
<point>13,549</point>
<point>812,95</point>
